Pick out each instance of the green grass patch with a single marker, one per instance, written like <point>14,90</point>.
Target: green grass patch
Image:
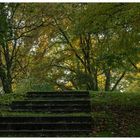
<point>115,98</point>
<point>104,134</point>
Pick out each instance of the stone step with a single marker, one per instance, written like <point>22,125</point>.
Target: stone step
<point>44,108</point>
<point>58,105</point>
<point>33,95</point>
<point>50,106</point>
<point>57,123</point>
<point>47,110</point>
<point>58,93</point>
<point>67,93</point>
<point>45,133</point>
<point>52,125</point>
<point>46,123</point>
<point>41,102</point>
<point>47,119</point>
<point>56,97</point>
<point>45,126</point>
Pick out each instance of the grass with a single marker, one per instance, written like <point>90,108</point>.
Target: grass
<point>116,98</point>
<point>105,134</point>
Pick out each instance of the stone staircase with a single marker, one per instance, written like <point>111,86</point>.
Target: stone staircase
<point>64,114</point>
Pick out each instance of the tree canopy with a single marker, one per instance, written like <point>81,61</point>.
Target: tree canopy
<point>84,46</point>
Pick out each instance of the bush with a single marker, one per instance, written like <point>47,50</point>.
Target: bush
<point>6,99</point>
<point>32,84</point>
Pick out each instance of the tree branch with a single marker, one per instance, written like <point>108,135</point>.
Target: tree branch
<point>73,49</point>
<point>63,67</point>
<point>114,87</point>
<point>134,65</point>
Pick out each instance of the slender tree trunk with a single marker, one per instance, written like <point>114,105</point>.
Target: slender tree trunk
<point>107,81</point>
<point>8,81</point>
<point>96,81</point>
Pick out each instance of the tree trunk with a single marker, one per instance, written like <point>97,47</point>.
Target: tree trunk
<point>6,81</point>
<point>6,77</point>
<point>96,82</point>
<point>7,85</point>
<point>107,81</point>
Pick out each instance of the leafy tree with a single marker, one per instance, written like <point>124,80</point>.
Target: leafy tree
<point>16,25</point>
